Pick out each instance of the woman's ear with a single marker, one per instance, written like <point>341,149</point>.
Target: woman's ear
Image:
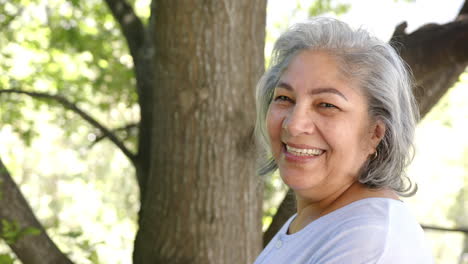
<point>378,133</point>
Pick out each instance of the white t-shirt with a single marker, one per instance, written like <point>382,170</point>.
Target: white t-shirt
<point>372,230</point>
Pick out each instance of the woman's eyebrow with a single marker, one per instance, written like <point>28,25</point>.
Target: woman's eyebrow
<point>284,85</point>
<point>315,91</point>
<point>327,90</point>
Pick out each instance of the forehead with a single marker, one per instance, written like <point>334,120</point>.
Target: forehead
<point>317,70</point>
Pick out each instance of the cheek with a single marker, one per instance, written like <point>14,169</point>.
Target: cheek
<point>344,138</point>
<point>365,138</point>
<point>356,139</point>
<point>273,124</point>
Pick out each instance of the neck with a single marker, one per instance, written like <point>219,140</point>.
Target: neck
<point>309,209</point>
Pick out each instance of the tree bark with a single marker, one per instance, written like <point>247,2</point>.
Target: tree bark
<point>437,55</point>
<point>140,46</point>
<point>202,202</point>
<point>30,249</point>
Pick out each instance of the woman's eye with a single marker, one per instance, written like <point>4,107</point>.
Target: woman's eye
<point>327,105</point>
<point>283,98</point>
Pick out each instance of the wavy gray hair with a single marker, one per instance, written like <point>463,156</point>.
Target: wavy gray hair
<point>382,75</point>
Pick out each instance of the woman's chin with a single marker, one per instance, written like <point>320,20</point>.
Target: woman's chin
<point>298,182</point>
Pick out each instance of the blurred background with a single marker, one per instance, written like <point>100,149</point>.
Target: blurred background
<point>83,189</point>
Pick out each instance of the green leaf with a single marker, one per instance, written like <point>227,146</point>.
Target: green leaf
<point>75,3</point>
<point>1,184</point>
<point>12,231</point>
<point>73,234</point>
<point>31,231</point>
<point>79,53</point>
<point>6,259</point>
<point>93,257</point>
<point>320,7</point>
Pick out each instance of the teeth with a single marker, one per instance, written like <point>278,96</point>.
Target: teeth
<point>304,152</point>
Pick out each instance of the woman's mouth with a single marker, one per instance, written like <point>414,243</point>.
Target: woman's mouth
<point>304,151</point>
<point>300,153</point>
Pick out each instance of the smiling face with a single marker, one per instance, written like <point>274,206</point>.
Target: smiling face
<point>319,127</point>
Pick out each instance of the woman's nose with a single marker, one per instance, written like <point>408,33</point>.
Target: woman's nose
<point>299,121</point>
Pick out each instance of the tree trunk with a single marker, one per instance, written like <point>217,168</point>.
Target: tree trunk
<point>202,201</point>
<point>30,249</point>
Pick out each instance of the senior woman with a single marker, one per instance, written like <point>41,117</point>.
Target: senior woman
<point>337,117</point>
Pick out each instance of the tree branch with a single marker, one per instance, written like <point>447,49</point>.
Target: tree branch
<point>437,55</point>
<point>433,47</point>
<point>463,9</point>
<point>73,107</point>
<point>142,52</point>
<point>445,229</point>
<point>125,128</point>
<point>31,249</point>
<point>131,25</point>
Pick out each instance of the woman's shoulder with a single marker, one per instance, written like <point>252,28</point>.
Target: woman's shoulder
<point>383,230</point>
<point>371,230</point>
<point>381,219</point>
<point>375,209</point>
<point>391,215</point>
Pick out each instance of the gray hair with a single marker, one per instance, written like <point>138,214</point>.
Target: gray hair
<point>380,73</point>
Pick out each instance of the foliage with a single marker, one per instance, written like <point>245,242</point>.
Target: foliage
<point>459,210</point>
<point>439,167</point>
<point>1,187</point>
<point>12,231</point>
<point>85,245</point>
<point>321,7</point>
<point>79,194</point>
<point>71,48</point>
<point>6,259</point>
<point>282,13</point>
<point>74,49</point>
<point>273,194</point>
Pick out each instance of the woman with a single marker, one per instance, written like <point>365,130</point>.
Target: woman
<point>337,117</point>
